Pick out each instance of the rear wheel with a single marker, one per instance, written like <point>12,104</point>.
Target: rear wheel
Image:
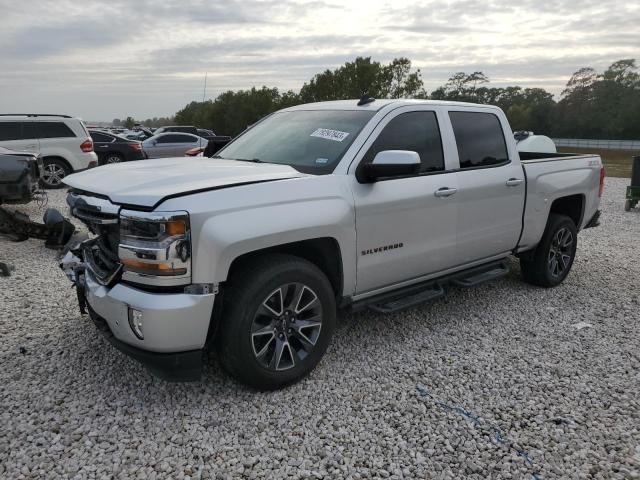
<point>112,158</point>
<point>627,206</point>
<point>553,258</point>
<point>277,321</point>
<point>54,170</point>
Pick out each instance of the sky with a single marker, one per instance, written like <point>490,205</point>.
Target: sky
<point>101,60</point>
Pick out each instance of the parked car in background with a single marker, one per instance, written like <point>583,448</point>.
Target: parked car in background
<point>19,175</point>
<point>62,141</point>
<point>171,144</point>
<point>114,149</point>
<point>177,128</point>
<point>216,142</point>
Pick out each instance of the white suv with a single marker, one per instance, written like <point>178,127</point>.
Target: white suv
<point>61,140</point>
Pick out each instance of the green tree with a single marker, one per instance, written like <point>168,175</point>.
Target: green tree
<point>603,105</point>
<point>232,112</point>
<point>353,79</point>
<point>129,122</point>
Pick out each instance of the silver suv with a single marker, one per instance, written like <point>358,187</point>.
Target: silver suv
<point>61,140</point>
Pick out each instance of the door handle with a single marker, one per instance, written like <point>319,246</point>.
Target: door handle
<point>514,182</point>
<point>445,192</point>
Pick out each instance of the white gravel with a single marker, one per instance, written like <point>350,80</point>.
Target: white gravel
<point>556,372</point>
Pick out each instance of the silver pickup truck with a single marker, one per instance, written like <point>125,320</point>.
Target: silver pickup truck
<point>380,204</point>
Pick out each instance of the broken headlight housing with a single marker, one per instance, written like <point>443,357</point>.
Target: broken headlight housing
<point>155,248</point>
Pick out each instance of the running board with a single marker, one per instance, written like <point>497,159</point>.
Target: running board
<point>414,295</point>
<point>403,299</point>
<point>479,275</point>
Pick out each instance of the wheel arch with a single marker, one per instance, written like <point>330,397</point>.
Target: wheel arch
<point>323,252</point>
<point>572,206</point>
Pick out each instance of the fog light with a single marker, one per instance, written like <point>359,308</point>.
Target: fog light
<point>135,322</point>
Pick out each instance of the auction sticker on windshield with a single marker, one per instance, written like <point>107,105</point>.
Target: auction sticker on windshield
<point>335,135</point>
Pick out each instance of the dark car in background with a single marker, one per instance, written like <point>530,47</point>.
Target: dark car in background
<point>114,149</point>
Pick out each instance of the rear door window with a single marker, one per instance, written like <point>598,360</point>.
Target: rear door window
<point>53,130</point>
<point>413,131</point>
<point>10,131</point>
<point>479,138</point>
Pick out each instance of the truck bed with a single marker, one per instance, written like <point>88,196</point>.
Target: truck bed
<point>554,175</point>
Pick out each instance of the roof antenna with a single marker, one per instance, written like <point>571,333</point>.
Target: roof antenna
<point>366,98</point>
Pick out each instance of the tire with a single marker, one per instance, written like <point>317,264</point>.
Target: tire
<point>54,170</point>
<point>257,322</point>
<point>553,257</point>
<point>627,206</point>
<point>111,158</point>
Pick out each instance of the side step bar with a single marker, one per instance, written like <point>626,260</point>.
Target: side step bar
<point>478,275</point>
<point>411,296</point>
<point>407,299</point>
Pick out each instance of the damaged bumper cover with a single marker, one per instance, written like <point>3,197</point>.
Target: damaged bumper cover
<point>175,325</point>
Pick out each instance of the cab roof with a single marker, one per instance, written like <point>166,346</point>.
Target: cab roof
<point>378,104</point>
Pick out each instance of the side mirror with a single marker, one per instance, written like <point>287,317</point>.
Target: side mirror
<point>389,164</point>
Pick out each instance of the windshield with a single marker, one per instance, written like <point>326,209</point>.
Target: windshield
<point>311,141</point>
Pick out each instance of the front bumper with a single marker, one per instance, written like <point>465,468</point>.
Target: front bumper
<point>175,325</point>
<point>172,367</point>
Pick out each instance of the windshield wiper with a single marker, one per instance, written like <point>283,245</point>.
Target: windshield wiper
<point>252,160</point>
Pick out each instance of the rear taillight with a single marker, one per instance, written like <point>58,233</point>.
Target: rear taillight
<point>87,146</point>
<point>136,146</point>
<point>602,175</point>
<point>194,152</point>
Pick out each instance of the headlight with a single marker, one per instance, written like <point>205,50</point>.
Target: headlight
<point>155,248</point>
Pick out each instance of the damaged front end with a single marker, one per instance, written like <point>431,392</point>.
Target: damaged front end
<point>97,254</point>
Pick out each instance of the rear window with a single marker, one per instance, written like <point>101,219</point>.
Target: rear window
<point>176,138</point>
<point>53,130</point>
<point>100,137</point>
<point>183,139</point>
<point>479,138</point>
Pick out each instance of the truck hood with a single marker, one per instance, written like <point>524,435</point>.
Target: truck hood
<point>147,182</point>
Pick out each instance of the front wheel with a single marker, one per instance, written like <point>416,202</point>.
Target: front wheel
<point>277,321</point>
<point>552,259</point>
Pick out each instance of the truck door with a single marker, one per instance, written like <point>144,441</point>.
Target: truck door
<point>405,226</point>
<point>491,187</point>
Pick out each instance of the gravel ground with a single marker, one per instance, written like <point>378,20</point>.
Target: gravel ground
<point>502,381</point>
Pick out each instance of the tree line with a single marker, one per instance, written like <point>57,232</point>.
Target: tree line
<point>593,105</point>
